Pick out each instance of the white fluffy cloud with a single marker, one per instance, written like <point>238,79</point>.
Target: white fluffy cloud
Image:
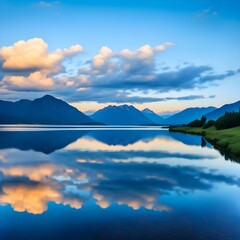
<point>34,53</point>
<point>100,59</point>
<point>33,56</point>
<point>144,52</point>
<point>108,63</point>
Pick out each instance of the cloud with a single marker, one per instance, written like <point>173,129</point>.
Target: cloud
<point>48,4</point>
<point>34,54</point>
<point>35,81</point>
<point>124,96</point>
<point>139,76</point>
<point>110,76</point>
<point>206,13</point>
<point>109,62</point>
<point>29,65</point>
<point>118,75</point>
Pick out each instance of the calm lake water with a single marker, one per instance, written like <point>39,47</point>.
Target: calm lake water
<point>115,183</point>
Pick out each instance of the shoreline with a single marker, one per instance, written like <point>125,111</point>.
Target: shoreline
<point>226,141</point>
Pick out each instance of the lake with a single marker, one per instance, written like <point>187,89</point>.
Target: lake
<point>115,183</point>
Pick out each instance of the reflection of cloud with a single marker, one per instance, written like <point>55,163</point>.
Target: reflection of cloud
<point>73,203</point>
<point>32,172</point>
<point>142,184</point>
<point>2,157</point>
<point>126,175</point>
<point>145,201</point>
<point>46,187</point>
<point>133,184</point>
<point>100,202</point>
<point>30,198</point>
<point>34,198</point>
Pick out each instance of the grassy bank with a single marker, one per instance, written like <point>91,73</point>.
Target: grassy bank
<point>227,141</point>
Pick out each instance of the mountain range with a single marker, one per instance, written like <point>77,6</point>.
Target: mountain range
<point>214,115</point>
<point>45,110</point>
<point>121,115</point>
<point>187,115</point>
<point>50,110</point>
<point>155,118</point>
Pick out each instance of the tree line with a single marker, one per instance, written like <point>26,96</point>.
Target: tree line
<point>228,120</point>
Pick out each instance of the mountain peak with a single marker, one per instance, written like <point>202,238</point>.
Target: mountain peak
<point>152,116</point>
<point>44,110</point>
<point>48,97</point>
<point>126,107</point>
<point>121,115</point>
<point>147,110</point>
<point>121,107</point>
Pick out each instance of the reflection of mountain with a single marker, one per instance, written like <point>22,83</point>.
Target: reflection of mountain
<point>40,141</point>
<point>188,139</point>
<point>50,141</point>
<point>126,137</point>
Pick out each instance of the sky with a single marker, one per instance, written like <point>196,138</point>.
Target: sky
<point>165,55</point>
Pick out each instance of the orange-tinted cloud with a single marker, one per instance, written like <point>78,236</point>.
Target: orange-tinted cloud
<point>35,81</point>
<point>32,199</point>
<point>32,172</point>
<point>29,65</point>
<point>34,53</point>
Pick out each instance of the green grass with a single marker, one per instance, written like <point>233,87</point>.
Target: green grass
<point>227,141</point>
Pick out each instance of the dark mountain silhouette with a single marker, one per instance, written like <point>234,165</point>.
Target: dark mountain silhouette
<point>121,115</point>
<point>215,114</point>
<point>45,110</point>
<point>188,115</point>
<point>152,116</point>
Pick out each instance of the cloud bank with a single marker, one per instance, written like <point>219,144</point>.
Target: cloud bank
<point>110,76</point>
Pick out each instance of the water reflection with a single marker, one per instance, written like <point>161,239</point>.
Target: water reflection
<point>41,141</point>
<point>138,169</point>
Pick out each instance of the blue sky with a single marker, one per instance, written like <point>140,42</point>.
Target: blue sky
<point>199,68</point>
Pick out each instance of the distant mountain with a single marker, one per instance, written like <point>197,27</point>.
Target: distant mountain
<point>152,116</point>
<point>121,115</point>
<point>45,110</point>
<point>164,116</point>
<point>188,115</point>
<point>215,114</point>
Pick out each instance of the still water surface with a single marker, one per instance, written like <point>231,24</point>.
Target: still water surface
<point>115,183</point>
